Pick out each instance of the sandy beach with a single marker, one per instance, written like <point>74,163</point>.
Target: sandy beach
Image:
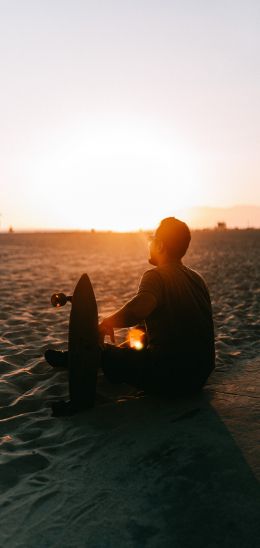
<point>136,470</point>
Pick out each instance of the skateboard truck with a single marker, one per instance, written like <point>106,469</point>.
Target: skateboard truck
<point>60,299</point>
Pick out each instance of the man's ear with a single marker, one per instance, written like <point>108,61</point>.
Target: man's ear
<point>160,246</point>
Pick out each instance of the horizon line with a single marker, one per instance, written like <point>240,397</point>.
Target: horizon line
<point>194,223</point>
<point>111,231</point>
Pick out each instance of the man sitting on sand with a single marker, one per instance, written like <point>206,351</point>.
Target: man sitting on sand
<point>174,302</point>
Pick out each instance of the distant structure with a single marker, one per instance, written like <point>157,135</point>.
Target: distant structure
<point>221,226</point>
<point>11,230</point>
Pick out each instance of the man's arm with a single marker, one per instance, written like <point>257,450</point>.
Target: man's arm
<point>133,312</point>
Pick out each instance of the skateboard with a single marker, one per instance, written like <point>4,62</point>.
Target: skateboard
<point>84,350</point>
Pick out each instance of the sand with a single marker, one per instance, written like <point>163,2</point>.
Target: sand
<point>136,470</point>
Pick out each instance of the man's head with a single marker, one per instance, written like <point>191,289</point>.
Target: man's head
<point>170,242</point>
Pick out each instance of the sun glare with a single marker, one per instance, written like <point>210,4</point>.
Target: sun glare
<point>112,174</point>
<point>135,338</point>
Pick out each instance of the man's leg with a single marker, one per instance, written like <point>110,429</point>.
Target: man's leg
<point>126,365</point>
<point>154,373</point>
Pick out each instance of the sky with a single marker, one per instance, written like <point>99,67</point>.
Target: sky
<point>114,114</point>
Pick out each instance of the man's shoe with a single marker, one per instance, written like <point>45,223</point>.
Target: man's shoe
<point>64,408</point>
<point>57,358</point>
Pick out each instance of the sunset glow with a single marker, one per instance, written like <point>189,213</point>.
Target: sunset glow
<point>113,122</point>
<point>135,338</point>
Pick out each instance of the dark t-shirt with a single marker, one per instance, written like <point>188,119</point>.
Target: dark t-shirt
<point>181,325</point>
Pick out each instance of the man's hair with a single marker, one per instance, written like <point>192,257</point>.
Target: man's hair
<point>175,235</point>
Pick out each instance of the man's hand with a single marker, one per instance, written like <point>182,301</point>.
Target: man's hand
<point>106,328</point>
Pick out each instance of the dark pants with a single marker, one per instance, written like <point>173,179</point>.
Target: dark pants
<point>153,372</point>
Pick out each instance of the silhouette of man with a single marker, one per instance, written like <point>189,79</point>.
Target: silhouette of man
<point>174,302</point>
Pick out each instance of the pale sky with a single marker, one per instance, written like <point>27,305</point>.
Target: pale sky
<point>114,114</point>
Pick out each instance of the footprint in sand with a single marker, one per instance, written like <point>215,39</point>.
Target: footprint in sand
<point>19,466</point>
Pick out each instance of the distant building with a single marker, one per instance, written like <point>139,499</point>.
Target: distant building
<point>221,226</point>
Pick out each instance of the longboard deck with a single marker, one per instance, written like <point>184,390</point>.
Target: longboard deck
<point>83,324</point>
<point>84,351</point>
<point>83,344</point>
